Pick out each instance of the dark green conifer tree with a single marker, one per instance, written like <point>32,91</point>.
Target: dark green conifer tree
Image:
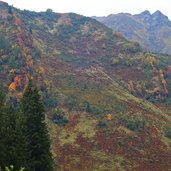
<point>36,130</point>
<point>8,132</point>
<point>22,144</point>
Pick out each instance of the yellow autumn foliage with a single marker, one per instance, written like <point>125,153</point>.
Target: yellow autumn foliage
<point>20,95</point>
<point>11,70</point>
<point>109,117</point>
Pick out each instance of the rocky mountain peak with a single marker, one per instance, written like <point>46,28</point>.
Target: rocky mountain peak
<point>145,13</point>
<point>158,15</point>
<point>145,16</point>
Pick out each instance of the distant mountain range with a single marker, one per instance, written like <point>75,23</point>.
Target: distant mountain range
<point>152,31</point>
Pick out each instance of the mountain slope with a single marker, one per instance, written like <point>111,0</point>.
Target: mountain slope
<point>97,116</point>
<point>152,31</point>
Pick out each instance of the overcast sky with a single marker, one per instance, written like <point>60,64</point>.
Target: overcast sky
<point>95,7</point>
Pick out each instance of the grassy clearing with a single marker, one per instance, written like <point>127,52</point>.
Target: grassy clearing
<point>86,127</point>
<point>103,161</point>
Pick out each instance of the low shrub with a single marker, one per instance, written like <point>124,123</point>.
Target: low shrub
<point>134,125</point>
<point>60,119</point>
<point>101,123</point>
<point>168,132</point>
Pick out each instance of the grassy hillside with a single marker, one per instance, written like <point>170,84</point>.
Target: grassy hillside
<point>97,87</point>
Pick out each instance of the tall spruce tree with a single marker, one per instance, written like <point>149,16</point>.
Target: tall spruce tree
<point>36,130</point>
<point>8,154</point>
<point>22,144</point>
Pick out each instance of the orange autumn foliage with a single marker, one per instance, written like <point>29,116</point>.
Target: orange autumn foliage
<point>29,63</point>
<point>139,88</point>
<point>164,82</point>
<point>18,21</point>
<point>12,87</point>
<point>17,81</point>
<point>24,52</point>
<point>41,70</point>
<point>131,85</point>
<point>27,78</point>
<point>25,86</point>
<point>165,86</point>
